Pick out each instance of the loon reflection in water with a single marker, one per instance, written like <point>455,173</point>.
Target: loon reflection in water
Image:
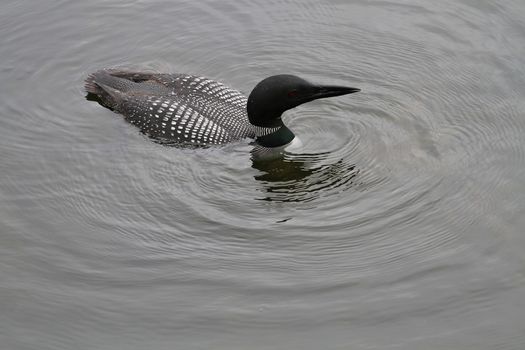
<point>193,110</point>
<point>304,178</point>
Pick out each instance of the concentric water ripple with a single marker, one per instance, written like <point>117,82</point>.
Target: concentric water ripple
<point>398,226</point>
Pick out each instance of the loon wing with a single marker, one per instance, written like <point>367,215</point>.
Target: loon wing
<point>185,85</point>
<point>169,119</point>
<point>175,107</point>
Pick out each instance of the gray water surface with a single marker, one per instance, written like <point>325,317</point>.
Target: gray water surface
<point>400,226</point>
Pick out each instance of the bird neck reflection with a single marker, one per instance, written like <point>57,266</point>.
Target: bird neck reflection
<point>302,178</point>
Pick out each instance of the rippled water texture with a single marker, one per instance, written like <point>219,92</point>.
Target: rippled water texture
<point>400,226</point>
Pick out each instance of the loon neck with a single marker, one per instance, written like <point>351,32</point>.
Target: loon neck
<point>273,136</point>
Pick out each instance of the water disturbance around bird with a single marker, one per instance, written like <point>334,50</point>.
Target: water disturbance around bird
<point>399,225</point>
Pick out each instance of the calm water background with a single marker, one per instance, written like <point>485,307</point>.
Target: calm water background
<point>402,226</point>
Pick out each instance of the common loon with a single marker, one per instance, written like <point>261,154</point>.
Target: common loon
<point>199,111</point>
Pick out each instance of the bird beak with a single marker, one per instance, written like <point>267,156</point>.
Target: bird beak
<point>332,90</point>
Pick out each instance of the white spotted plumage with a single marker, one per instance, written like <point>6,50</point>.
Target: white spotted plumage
<point>182,108</point>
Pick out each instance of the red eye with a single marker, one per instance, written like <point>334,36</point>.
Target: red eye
<point>293,93</point>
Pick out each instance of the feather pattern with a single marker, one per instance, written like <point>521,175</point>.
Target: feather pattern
<point>174,107</point>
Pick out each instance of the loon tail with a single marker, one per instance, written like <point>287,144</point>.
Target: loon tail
<point>108,89</point>
<point>91,86</point>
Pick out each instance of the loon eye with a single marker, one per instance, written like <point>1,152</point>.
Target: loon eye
<point>293,93</point>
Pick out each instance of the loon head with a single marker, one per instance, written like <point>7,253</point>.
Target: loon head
<point>279,93</point>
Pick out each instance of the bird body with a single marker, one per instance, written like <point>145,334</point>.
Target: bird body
<point>175,107</point>
<point>200,111</point>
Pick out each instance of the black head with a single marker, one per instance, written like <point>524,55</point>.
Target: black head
<point>276,94</point>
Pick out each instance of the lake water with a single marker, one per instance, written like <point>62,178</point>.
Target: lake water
<point>400,226</point>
